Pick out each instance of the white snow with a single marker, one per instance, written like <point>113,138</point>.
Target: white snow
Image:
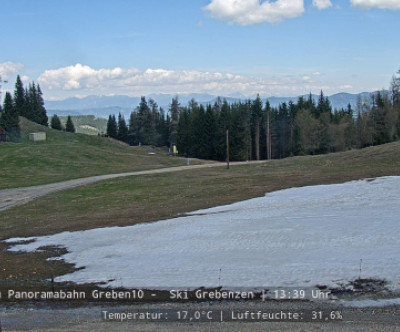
<point>295,237</point>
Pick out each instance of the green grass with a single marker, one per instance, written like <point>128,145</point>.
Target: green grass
<point>132,200</point>
<point>127,201</point>
<point>67,156</point>
<point>87,124</point>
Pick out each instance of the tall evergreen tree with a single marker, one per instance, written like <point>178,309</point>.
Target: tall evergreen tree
<point>55,122</point>
<point>183,137</point>
<point>69,126</point>
<point>174,111</point>
<point>133,129</point>
<point>256,113</point>
<point>223,124</point>
<point>112,127</point>
<point>122,134</point>
<point>19,97</point>
<point>40,111</point>
<point>162,129</point>
<point>9,120</point>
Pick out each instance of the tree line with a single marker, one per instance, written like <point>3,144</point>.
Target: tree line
<point>148,125</point>
<point>27,102</point>
<point>259,131</point>
<point>55,123</point>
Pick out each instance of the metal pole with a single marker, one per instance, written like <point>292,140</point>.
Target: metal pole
<point>268,139</point>
<point>227,149</point>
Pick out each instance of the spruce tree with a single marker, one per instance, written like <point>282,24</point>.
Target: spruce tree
<point>162,129</point>
<point>256,114</point>
<point>133,129</point>
<point>19,97</point>
<point>41,113</point>
<point>69,126</point>
<point>9,120</point>
<point>55,122</point>
<point>112,127</point>
<point>174,111</point>
<point>183,135</point>
<point>122,134</point>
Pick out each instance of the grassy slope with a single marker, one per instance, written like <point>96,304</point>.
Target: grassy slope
<point>146,198</point>
<point>140,199</point>
<point>66,156</point>
<point>96,125</point>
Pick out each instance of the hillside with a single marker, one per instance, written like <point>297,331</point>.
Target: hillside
<point>66,156</point>
<point>132,200</point>
<point>87,124</point>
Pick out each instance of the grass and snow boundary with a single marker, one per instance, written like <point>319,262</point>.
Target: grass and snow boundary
<point>299,237</point>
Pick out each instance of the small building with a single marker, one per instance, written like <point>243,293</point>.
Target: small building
<point>3,135</point>
<point>37,137</point>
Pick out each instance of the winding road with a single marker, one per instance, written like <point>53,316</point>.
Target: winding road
<point>17,196</point>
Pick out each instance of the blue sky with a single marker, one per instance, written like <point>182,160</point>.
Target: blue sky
<point>221,47</point>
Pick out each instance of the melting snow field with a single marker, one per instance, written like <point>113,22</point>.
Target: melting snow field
<point>295,237</point>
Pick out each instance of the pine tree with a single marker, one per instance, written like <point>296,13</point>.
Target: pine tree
<point>198,147</point>
<point>133,129</point>
<point>256,114</point>
<point>210,132</point>
<point>41,113</point>
<point>162,129</point>
<point>122,134</point>
<point>238,133</point>
<point>183,138</point>
<point>69,126</point>
<point>112,127</point>
<point>223,124</point>
<point>173,129</point>
<point>55,122</point>
<point>19,97</point>
<point>9,120</point>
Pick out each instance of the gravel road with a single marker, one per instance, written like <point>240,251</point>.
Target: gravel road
<point>17,196</point>
<point>31,317</point>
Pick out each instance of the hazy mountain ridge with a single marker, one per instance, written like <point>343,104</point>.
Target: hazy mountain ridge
<point>102,106</point>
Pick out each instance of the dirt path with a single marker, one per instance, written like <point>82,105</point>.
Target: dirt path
<point>16,196</point>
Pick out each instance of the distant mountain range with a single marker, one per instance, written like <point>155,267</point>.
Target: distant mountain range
<point>103,106</point>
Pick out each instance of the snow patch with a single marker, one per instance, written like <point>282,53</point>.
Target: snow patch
<point>295,237</point>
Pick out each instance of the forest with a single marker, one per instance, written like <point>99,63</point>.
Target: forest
<point>259,131</point>
<point>27,102</point>
<point>256,130</point>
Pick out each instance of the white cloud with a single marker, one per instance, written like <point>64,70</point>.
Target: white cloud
<point>322,4</point>
<point>81,80</point>
<point>9,69</point>
<point>382,4</point>
<point>247,12</point>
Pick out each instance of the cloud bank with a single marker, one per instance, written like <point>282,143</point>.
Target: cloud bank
<point>9,69</point>
<point>381,4</point>
<point>247,12</point>
<point>81,80</point>
<point>322,4</point>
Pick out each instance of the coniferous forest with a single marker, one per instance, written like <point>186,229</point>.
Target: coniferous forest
<point>256,130</point>
<point>259,131</point>
<point>27,102</point>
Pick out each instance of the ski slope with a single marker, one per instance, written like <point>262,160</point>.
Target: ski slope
<point>295,237</point>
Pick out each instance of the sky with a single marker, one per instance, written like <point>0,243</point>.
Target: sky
<point>77,48</point>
